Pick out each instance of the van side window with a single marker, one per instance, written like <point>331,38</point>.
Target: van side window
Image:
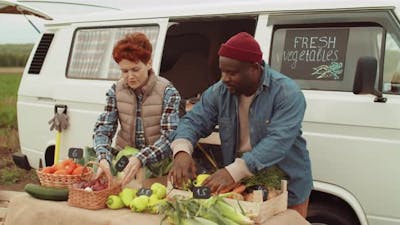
<point>91,54</point>
<point>391,69</point>
<point>324,57</point>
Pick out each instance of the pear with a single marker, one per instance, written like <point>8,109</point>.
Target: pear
<point>114,202</point>
<point>155,206</point>
<point>200,179</point>
<point>187,185</point>
<point>127,195</point>
<point>139,204</point>
<point>159,190</point>
<point>153,199</point>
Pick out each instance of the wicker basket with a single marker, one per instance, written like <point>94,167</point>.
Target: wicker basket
<point>94,199</point>
<point>59,180</point>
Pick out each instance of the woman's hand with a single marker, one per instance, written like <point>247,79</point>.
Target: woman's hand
<point>107,171</point>
<point>131,169</point>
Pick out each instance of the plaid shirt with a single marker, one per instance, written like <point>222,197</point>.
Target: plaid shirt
<point>107,123</point>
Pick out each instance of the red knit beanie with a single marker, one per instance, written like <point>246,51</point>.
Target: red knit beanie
<point>242,47</point>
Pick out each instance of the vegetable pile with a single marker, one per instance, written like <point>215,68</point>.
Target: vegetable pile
<point>212,211</point>
<point>92,185</point>
<point>65,167</point>
<point>129,198</point>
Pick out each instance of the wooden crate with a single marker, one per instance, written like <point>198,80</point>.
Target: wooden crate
<point>258,210</point>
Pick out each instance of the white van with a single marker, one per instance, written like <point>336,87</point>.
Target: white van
<point>344,55</point>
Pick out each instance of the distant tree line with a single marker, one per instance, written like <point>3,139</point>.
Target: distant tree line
<point>14,55</point>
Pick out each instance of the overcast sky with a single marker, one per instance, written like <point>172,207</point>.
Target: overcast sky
<point>16,29</point>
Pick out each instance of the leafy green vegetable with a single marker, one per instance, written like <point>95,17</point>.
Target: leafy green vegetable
<point>269,177</point>
<point>90,155</point>
<point>158,169</point>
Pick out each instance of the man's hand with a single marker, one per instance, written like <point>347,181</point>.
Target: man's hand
<point>131,169</point>
<point>221,179</point>
<point>183,169</point>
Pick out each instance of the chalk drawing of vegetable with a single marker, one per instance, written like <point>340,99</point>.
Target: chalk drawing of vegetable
<point>328,72</point>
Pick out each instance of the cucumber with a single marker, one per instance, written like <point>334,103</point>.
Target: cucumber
<point>47,193</point>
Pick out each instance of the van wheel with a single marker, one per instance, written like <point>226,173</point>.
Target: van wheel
<point>322,213</point>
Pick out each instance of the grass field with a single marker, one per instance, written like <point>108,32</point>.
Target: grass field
<point>11,178</point>
<point>8,97</point>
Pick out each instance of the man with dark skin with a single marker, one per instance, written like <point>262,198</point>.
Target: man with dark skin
<point>240,78</point>
<point>259,112</point>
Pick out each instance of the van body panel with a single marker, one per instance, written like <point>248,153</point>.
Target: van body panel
<point>382,220</point>
<point>339,108</point>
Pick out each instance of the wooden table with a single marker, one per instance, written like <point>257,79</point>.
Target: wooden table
<point>23,209</point>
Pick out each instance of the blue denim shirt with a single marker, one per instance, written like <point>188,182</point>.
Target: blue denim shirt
<point>275,118</point>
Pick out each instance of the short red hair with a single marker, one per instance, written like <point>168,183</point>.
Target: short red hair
<point>133,47</point>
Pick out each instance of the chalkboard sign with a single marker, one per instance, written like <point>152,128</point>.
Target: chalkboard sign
<point>201,192</point>
<point>75,153</point>
<point>144,191</point>
<point>315,53</point>
<point>121,163</point>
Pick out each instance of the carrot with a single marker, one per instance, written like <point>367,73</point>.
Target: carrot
<point>225,190</point>
<point>228,188</point>
<point>239,189</point>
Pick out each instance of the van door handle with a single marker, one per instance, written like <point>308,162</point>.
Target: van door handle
<point>46,99</point>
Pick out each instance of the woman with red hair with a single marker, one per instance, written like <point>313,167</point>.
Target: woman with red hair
<point>145,105</point>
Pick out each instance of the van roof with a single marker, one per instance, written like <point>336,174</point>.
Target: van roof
<point>179,8</point>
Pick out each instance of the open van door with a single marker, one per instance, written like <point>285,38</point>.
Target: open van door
<point>12,7</point>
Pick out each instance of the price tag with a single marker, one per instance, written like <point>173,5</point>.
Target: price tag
<point>121,164</point>
<point>75,153</point>
<point>144,191</point>
<point>201,192</point>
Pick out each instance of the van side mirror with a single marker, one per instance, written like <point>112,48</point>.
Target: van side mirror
<point>364,79</point>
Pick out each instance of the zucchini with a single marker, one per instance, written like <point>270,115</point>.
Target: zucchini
<point>47,193</point>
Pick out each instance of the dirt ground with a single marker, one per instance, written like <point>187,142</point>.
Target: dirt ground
<point>11,70</point>
<point>15,187</point>
<point>24,176</point>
